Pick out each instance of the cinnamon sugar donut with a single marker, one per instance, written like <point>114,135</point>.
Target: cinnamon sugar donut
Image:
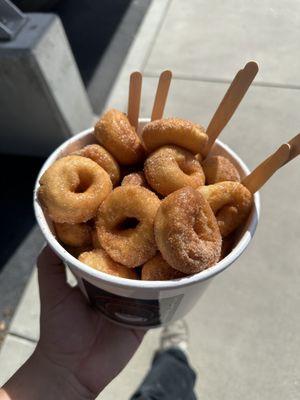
<point>157,269</point>
<point>176,131</point>
<point>171,168</point>
<point>103,158</point>
<point>219,169</point>
<point>135,178</point>
<point>73,188</point>
<point>231,202</point>
<point>114,132</point>
<point>186,231</point>
<point>125,225</point>
<point>75,235</point>
<point>100,260</point>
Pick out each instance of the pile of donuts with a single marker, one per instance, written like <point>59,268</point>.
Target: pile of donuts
<point>145,207</point>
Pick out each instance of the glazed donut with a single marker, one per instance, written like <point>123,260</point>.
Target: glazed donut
<point>157,269</point>
<point>176,131</point>
<point>75,235</point>
<point>72,189</point>
<point>219,169</point>
<point>231,202</point>
<point>114,132</point>
<point>171,168</point>
<point>186,231</point>
<point>135,178</point>
<point>100,260</point>
<point>103,158</point>
<point>125,225</point>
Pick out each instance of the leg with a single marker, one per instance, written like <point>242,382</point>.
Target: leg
<point>170,376</point>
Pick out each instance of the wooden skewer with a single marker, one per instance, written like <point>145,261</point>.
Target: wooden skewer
<point>161,95</point>
<point>230,102</point>
<point>134,98</point>
<point>267,168</point>
<point>295,147</point>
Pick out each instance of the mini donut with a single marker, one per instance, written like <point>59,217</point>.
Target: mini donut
<point>176,131</point>
<point>72,189</point>
<point>103,158</point>
<point>100,260</point>
<point>171,168</point>
<point>125,225</point>
<point>186,231</point>
<point>75,235</point>
<point>157,269</point>
<point>231,202</point>
<point>135,178</point>
<point>219,169</point>
<point>114,132</point>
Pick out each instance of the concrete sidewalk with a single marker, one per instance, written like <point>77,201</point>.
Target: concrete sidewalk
<point>245,341</point>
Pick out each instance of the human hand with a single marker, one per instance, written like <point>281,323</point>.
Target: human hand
<point>78,347</point>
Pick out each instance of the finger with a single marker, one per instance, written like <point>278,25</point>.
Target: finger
<point>52,278</point>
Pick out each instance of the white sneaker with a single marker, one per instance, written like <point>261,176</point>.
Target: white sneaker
<point>175,335</point>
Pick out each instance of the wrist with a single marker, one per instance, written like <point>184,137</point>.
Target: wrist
<point>41,378</point>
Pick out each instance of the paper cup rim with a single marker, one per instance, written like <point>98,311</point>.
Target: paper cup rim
<point>139,284</point>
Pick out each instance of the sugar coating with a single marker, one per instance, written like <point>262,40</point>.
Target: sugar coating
<point>60,191</point>
<point>100,260</point>
<point>134,246</point>
<point>219,169</point>
<point>103,158</point>
<point>114,132</point>
<point>175,131</point>
<point>157,269</point>
<point>231,202</point>
<point>75,235</point>
<point>135,178</point>
<point>186,231</point>
<point>170,168</point>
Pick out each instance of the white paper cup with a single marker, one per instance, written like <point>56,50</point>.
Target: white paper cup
<point>135,303</point>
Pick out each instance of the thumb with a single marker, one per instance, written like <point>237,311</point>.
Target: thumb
<point>52,278</point>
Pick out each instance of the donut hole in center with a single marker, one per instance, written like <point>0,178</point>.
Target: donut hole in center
<point>85,181</point>
<point>127,223</point>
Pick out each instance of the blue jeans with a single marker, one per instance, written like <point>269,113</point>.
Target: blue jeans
<point>170,378</point>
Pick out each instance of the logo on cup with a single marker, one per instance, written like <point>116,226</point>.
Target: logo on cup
<point>131,311</point>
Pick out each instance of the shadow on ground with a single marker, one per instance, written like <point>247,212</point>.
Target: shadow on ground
<point>18,174</point>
